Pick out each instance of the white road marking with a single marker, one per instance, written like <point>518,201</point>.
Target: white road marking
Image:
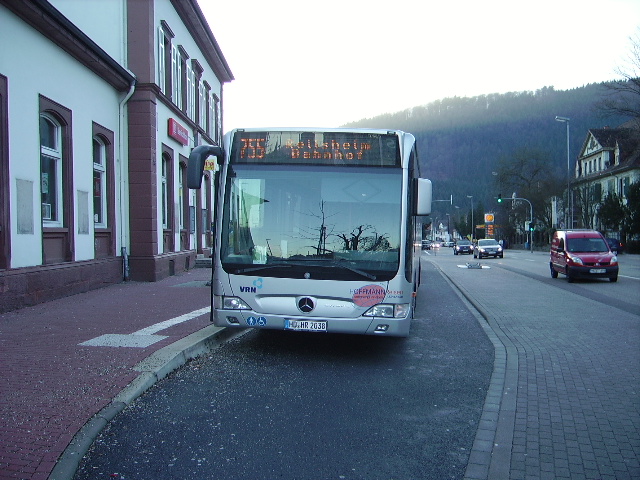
<point>171,322</point>
<point>143,337</point>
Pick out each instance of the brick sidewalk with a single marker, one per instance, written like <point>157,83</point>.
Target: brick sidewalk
<point>50,385</point>
<point>570,405</point>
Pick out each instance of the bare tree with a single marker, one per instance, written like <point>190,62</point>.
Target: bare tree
<point>352,240</point>
<point>319,234</point>
<point>529,173</point>
<point>622,96</point>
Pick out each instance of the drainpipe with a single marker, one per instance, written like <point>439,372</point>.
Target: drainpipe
<point>122,153</point>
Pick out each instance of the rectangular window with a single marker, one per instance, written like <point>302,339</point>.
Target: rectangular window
<point>50,188</point>
<point>218,117</point>
<point>191,92</point>
<point>51,171</point>
<point>211,116</point>
<point>165,52</point>
<point>176,77</point>
<point>198,92</point>
<point>165,194</point>
<point>99,183</point>
<point>202,105</point>
<point>624,187</point>
<point>161,60</point>
<point>180,199</point>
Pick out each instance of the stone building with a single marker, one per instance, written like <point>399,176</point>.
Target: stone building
<point>100,105</point>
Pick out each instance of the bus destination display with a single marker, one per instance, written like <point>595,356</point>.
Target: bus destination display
<point>327,148</point>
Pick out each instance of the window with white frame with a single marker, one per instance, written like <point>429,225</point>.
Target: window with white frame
<point>180,199</point>
<point>624,187</point>
<point>191,92</point>
<point>164,58</point>
<point>176,76</point>
<point>203,94</point>
<point>218,117</point>
<point>213,117</point>
<point>51,171</point>
<point>99,182</point>
<point>165,193</point>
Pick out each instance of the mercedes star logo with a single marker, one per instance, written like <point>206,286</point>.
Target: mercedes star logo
<point>305,304</point>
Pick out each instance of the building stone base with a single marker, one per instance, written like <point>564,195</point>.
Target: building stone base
<point>157,267</point>
<point>23,287</point>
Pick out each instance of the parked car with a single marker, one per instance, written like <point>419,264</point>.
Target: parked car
<point>487,247</point>
<point>463,247</point>
<point>582,253</point>
<point>615,246</point>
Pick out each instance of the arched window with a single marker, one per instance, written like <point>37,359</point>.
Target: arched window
<point>51,184</point>
<point>99,182</point>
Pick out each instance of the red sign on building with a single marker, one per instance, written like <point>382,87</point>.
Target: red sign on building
<point>178,132</point>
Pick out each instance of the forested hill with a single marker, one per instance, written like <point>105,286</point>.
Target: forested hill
<point>461,140</point>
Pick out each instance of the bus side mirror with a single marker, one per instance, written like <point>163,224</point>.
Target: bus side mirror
<point>195,166</point>
<point>423,196</point>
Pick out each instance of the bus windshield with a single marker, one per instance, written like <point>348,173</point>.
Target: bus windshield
<point>321,222</point>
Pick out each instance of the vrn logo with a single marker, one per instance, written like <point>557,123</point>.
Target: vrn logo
<point>257,284</point>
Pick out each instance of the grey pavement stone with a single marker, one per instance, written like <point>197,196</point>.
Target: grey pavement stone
<point>574,406</point>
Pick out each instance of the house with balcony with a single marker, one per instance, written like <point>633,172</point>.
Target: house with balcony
<point>608,163</point>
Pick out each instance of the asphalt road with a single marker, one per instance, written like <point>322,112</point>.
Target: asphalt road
<point>623,294</point>
<point>287,405</point>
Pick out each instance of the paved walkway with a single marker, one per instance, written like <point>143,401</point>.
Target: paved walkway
<point>67,360</point>
<point>564,401</point>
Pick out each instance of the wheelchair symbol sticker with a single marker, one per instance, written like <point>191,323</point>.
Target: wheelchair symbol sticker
<point>257,321</point>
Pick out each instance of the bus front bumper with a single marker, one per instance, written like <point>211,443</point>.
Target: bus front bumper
<point>394,327</point>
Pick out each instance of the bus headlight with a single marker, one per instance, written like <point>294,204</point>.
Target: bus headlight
<point>388,310</point>
<point>229,303</point>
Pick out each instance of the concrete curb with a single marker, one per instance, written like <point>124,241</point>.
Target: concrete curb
<point>155,367</point>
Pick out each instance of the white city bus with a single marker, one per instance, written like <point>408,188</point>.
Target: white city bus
<point>316,230</point>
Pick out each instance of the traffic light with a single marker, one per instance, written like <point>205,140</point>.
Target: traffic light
<point>532,226</point>
<point>499,198</point>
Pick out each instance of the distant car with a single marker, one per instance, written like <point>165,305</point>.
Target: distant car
<point>448,244</point>
<point>487,247</point>
<point>426,244</point>
<point>615,245</point>
<point>463,247</point>
<point>436,245</point>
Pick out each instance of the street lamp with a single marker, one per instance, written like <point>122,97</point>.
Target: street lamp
<point>473,227</point>
<point>569,216</point>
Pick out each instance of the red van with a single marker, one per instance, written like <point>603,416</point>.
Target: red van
<point>582,254</point>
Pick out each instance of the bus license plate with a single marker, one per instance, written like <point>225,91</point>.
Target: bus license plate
<point>305,325</point>
<point>598,270</point>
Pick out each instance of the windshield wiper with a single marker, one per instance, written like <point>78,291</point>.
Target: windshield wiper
<point>341,264</point>
<point>265,266</point>
<point>308,263</point>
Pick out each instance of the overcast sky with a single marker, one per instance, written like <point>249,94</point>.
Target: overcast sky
<point>328,62</point>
